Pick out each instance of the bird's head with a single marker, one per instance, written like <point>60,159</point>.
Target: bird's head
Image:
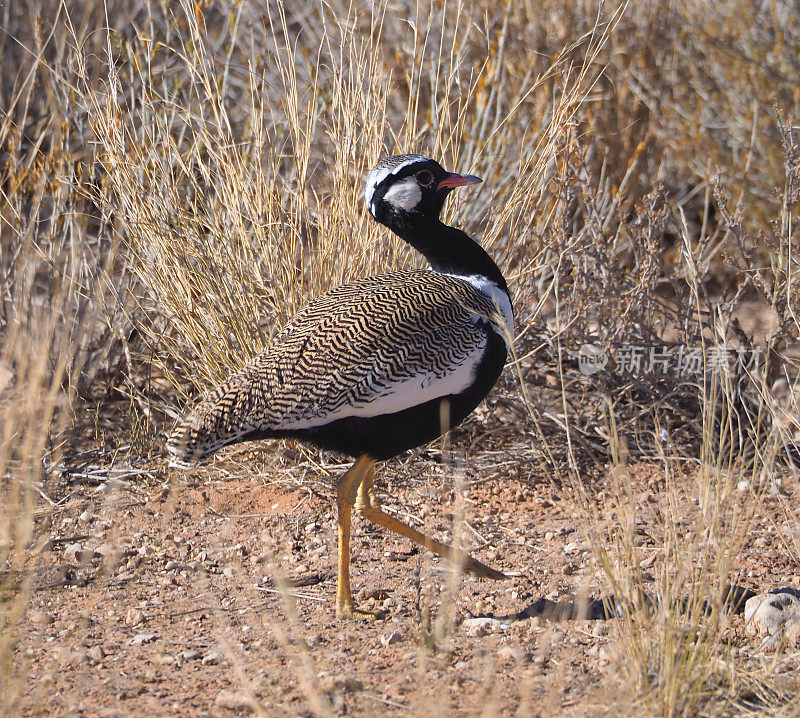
<point>410,184</point>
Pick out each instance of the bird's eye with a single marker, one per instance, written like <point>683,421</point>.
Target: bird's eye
<point>425,178</point>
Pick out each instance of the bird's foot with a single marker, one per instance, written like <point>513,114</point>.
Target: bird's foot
<point>476,568</point>
<point>347,610</point>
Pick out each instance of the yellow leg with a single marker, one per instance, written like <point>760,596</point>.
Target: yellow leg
<point>369,508</point>
<point>345,498</point>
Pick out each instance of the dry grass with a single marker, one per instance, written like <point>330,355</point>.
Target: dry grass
<point>254,222</point>
<point>52,335</point>
<point>174,188</point>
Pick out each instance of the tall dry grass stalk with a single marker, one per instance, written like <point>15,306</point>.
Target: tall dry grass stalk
<point>47,326</point>
<point>675,618</point>
<point>233,225</point>
<point>53,340</point>
<point>34,359</point>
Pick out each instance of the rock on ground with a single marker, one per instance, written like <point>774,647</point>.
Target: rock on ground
<point>773,616</point>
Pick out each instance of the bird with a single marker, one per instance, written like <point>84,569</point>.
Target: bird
<point>377,366</point>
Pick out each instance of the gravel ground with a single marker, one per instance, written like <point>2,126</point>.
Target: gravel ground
<point>157,594</point>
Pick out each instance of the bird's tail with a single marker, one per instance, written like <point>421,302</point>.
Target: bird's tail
<point>221,418</point>
<point>186,445</point>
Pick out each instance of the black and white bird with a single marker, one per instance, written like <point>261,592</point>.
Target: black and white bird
<point>377,366</point>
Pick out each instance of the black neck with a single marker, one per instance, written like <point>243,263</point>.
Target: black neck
<point>447,249</point>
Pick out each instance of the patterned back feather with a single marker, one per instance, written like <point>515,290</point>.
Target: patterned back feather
<point>343,353</point>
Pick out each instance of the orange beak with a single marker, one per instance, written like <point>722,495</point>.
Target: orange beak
<point>454,180</point>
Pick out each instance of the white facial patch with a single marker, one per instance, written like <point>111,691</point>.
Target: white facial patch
<point>404,194</point>
<point>386,168</point>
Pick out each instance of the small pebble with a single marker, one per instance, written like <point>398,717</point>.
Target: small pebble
<point>575,547</point>
<point>106,550</point>
<point>134,616</point>
<point>141,638</point>
<point>211,659</point>
<point>71,551</point>
<point>600,628</point>
<point>41,618</point>
<point>71,656</point>
<point>478,627</point>
<point>514,653</point>
<point>391,638</point>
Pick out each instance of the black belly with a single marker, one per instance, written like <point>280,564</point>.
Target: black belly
<point>382,437</point>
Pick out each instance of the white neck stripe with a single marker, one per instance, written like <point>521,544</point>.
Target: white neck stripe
<point>499,299</point>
